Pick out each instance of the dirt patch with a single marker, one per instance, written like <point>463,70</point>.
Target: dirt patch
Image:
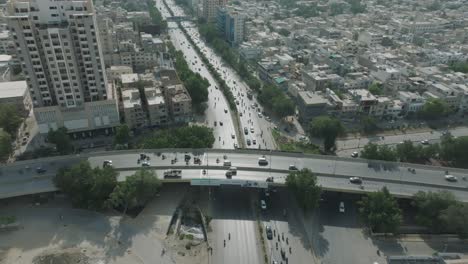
<point>66,256</point>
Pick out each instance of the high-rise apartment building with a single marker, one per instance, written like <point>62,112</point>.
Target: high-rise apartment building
<point>58,46</point>
<point>210,9</point>
<point>231,24</point>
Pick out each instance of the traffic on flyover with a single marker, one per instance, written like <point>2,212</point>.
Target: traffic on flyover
<point>254,168</point>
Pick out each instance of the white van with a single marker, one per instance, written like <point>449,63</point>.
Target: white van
<point>227,163</point>
<point>233,170</point>
<point>262,161</point>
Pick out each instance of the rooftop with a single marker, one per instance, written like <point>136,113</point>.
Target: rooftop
<point>13,89</point>
<point>311,98</point>
<point>129,78</point>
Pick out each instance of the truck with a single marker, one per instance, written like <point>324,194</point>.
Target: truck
<point>172,174</point>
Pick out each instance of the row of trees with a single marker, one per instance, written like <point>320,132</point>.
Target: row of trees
<point>97,189</point>
<point>155,15</point>
<point>196,85</point>
<point>269,95</point>
<point>450,149</point>
<point>183,137</point>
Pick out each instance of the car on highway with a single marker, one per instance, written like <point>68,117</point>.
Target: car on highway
<point>341,208</point>
<point>254,141</point>
<point>107,163</point>
<point>262,161</point>
<point>269,232</point>
<point>228,174</point>
<point>293,167</point>
<point>145,164</point>
<point>260,115</point>
<point>355,154</point>
<point>263,204</point>
<point>248,142</point>
<point>252,129</point>
<point>267,118</point>
<point>236,146</point>
<point>355,180</point>
<point>233,136</point>
<point>225,111</point>
<point>425,142</point>
<point>246,131</point>
<point>214,123</point>
<point>220,123</point>
<point>40,170</point>
<point>451,178</point>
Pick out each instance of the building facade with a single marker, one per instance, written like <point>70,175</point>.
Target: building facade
<point>58,47</point>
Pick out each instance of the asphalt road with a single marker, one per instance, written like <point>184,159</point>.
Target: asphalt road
<point>234,222</point>
<point>248,114</point>
<point>217,107</point>
<point>348,146</point>
<point>339,237</point>
<point>288,230</point>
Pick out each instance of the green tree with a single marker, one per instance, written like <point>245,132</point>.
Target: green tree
<point>459,67</point>
<point>197,88</point>
<point>408,152</point>
<point>283,106</point>
<point>429,207</point>
<point>378,152</point>
<point>376,88</point>
<point>303,185</point>
<point>327,128</point>
<point>87,187</point>
<point>368,125</point>
<point>455,150</point>
<point>183,137</point>
<point>5,145</point>
<point>455,218</point>
<point>61,139</point>
<point>9,118</point>
<point>434,109</point>
<point>122,135</point>
<point>135,191</point>
<point>380,211</point>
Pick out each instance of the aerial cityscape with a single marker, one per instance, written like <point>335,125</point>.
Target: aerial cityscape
<point>234,131</point>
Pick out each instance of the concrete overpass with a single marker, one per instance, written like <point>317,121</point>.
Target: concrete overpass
<point>20,178</point>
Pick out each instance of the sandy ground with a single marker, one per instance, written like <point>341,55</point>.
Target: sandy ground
<point>55,233</point>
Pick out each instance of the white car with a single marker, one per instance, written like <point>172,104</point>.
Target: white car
<point>260,115</point>
<point>252,129</point>
<point>263,204</point>
<point>341,208</point>
<point>145,164</point>
<point>425,142</point>
<point>355,154</point>
<point>450,178</point>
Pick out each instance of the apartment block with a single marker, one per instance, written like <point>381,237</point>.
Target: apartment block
<point>59,50</point>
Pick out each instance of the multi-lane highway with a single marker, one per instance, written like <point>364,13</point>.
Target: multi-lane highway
<point>259,129</point>
<point>21,178</point>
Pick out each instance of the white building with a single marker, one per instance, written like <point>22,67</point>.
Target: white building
<point>412,102</point>
<point>157,108</point>
<point>59,50</point>
<point>371,39</point>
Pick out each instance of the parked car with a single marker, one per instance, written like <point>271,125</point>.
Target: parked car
<point>40,170</point>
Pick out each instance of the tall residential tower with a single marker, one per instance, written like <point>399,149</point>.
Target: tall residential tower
<point>57,44</point>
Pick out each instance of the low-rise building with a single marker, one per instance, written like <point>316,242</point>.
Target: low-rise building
<point>311,104</point>
<point>179,102</point>
<point>16,93</point>
<point>157,108</point>
<point>134,114</point>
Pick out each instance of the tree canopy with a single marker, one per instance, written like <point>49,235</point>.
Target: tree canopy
<point>183,137</point>
<point>87,187</point>
<point>122,135</point>
<point>455,218</point>
<point>378,152</point>
<point>327,128</point>
<point>10,120</point>
<point>380,211</point>
<point>303,185</point>
<point>429,207</point>
<point>61,139</point>
<point>368,125</point>
<point>272,97</point>
<point>376,88</point>
<point>5,145</point>
<point>460,67</point>
<point>136,190</point>
<point>434,109</point>
<point>455,150</point>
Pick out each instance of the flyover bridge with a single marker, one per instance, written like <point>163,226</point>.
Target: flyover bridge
<point>333,173</point>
